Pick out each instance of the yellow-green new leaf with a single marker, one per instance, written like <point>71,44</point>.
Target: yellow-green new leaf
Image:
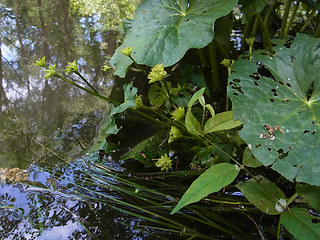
<point>221,121</point>
<point>212,180</point>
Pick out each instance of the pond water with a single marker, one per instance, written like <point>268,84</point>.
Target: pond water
<point>46,126</point>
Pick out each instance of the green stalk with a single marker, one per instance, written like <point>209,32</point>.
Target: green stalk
<point>245,33</point>
<point>314,11</point>
<point>270,9</point>
<point>278,230</point>
<point>202,57</point>
<point>293,197</point>
<point>85,80</point>
<point>95,93</point>
<point>138,66</point>
<point>168,92</point>
<point>293,15</point>
<point>214,66</point>
<point>255,27</point>
<point>266,35</point>
<point>284,19</point>
<point>317,33</point>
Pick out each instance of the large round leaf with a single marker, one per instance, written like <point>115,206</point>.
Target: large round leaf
<point>277,99</point>
<point>163,30</point>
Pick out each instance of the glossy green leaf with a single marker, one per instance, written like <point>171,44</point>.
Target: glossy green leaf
<point>129,99</point>
<point>212,180</point>
<point>163,30</point>
<point>192,124</point>
<point>264,194</point>
<point>301,224</point>
<point>309,193</point>
<point>249,160</point>
<point>282,93</point>
<point>221,121</point>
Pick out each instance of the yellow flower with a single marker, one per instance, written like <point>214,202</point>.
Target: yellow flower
<point>174,134</point>
<point>178,113</point>
<point>72,67</point>
<point>127,51</point>
<point>157,73</point>
<point>164,162</point>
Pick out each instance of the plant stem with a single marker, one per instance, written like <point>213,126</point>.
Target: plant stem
<point>314,11</point>
<point>202,57</point>
<point>284,19</point>
<point>90,86</point>
<point>245,33</point>
<point>293,15</point>
<point>266,36</point>
<point>168,92</point>
<point>317,33</point>
<point>293,197</point>
<point>278,231</point>
<point>214,66</point>
<point>255,27</point>
<point>138,66</point>
<point>271,8</point>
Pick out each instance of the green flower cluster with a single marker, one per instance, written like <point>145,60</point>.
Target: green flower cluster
<point>157,73</point>
<point>174,134</point>
<point>164,162</point>
<point>178,113</point>
<point>72,67</point>
<point>227,63</point>
<point>138,101</point>
<point>41,62</point>
<point>51,72</point>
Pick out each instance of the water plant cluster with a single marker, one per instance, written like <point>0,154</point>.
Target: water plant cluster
<point>231,89</point>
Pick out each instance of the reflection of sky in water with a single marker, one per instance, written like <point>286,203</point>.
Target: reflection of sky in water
<point>60,232</point>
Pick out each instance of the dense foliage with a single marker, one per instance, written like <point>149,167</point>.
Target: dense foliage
<point>238,105</point>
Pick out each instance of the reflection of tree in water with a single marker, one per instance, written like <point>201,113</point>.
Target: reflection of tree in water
<point>33,108</point>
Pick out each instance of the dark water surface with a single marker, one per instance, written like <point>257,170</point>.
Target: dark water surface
<point>46,124</point>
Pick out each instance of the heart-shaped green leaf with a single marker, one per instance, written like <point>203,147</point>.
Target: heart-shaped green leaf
<point>212,180</point>
<point>163,31</point>
<point>277,99</point>
<point>301,224</point>
<point>264,194</point>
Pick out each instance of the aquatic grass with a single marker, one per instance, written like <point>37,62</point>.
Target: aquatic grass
<point>117,190</point>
